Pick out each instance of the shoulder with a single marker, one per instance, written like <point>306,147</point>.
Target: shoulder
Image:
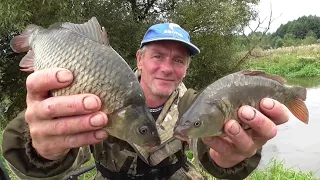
<point>186,97</point>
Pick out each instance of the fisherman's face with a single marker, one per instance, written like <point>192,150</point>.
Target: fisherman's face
<point>163,66</point>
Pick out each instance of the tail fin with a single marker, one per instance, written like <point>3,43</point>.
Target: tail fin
<point>20,43</point>
<point>296,105</point>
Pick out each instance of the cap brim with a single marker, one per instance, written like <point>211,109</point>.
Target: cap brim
<point>192,48</point>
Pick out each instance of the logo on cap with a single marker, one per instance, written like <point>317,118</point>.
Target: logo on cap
<point>172,31</point>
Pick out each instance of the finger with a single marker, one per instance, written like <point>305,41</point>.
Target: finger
<point>219,144</point>
<point>243,141</point>
<point>40,82</point>
<point>54,147</point>
<point>223,152</point>
<point>83,139</point>
<point>225,161</point>
<point>67,106</point>
<point>274,110</point>
<point>70,125</point>
<point>257,121</point>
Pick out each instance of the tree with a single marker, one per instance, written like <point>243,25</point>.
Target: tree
<point>279,43</point>
<point>311,38</point>
<point>289,40</point>
<point>300,27</point>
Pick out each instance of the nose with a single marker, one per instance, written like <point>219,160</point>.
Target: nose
<point>166,66</point>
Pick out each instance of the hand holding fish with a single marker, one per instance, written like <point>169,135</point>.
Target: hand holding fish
<point>237,114</point>
<point>53,127</point>
<point>240,144</point>
<point>84,50</point>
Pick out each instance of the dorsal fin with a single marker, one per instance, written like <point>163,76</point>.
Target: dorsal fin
<point>90,29</point>
<point>277,78</point>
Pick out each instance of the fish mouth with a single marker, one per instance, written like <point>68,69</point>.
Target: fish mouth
<point>181,134</point>
<point>151,147</point>
<point>182,137</point>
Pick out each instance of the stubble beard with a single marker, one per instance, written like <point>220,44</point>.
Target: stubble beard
<point>161,94</point>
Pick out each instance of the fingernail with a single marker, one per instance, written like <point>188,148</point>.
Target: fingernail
<point>90,103</point>
<point>234,129</point>
<point>268,103</point>
<point>248,113</point>
<point>97,120</point>
<point>64,76</point>
<point>100,134</point>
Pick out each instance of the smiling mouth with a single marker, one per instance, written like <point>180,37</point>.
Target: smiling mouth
<point>164,79</point>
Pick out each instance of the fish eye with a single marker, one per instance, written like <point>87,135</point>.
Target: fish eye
<point>143,129</point>
<point>197,123</point>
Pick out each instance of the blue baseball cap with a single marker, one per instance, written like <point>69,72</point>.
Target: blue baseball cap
<point>169,31</point>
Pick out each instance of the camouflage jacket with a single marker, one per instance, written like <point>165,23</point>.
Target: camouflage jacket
<point>119,156</point>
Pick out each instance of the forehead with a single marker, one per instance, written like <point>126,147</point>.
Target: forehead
<point>169,46</point>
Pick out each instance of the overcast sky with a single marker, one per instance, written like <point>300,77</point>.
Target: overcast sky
<point>286,10</point>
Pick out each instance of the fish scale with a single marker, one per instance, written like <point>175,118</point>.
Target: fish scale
<point>81,82</point>
<point>97,68</point>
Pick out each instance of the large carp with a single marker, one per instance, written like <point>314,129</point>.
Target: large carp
<point>84,49</point>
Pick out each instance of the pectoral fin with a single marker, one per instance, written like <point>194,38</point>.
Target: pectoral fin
<point>299,109</point>
<point>27,62</point>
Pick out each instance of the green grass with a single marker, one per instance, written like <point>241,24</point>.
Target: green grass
<point>277,171</point>
<point>291,62</point>
<point>274,171</point>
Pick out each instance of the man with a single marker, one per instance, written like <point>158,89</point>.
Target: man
<point>52,137</point>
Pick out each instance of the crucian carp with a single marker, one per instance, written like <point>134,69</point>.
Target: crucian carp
<point>84,49</point>
<point>220,101</point>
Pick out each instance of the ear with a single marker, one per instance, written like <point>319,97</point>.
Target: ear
<point>139,59</point>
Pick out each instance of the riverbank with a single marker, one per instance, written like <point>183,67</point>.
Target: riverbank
<point>290,62</point>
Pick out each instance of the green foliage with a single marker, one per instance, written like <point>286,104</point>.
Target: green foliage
<point>289,40</point>
<point>189,155</point>
<point>293,62</point>
<point>211,65</point>
<point>279,43</point>
<point>277,170</point>
<point>311,38</point>
<point>300,27</point>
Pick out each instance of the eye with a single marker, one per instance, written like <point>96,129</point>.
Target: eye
<point>178,61</point>
<point>143,129</point>
<point>157,56</point>
<point>197,123</point>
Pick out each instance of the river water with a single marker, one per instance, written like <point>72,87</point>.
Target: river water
<point>296,144</point>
